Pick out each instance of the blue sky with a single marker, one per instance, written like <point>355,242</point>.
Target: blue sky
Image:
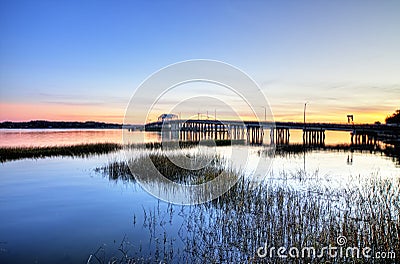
<point>341,56</point>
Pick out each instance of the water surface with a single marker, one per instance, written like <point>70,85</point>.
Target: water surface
<point>59,210</point>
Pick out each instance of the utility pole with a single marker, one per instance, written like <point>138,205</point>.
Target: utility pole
<point>305,107</point>
<point>265,113</point>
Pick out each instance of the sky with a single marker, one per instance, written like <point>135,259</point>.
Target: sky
<point>83,60</point>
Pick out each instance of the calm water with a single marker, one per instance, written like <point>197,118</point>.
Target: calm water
<point>52,137</point>
<point>59,210</point>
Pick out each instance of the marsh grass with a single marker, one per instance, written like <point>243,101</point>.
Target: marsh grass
<point>299,148</point>
<point>82,150</point>
<point>85,150</point>
<point>231,228</point>
<point>185,144</point>
<point>116,170</point>
<point>181,173</point>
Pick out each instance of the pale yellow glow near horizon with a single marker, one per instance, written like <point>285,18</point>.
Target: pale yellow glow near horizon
<point>27,112</point>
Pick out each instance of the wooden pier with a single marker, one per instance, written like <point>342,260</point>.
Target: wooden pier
<point>279,132</point>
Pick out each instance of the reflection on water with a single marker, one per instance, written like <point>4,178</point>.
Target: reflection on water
<point>60,210</point>
<point>58,137</point>
<point>52,137</point>
<point>232,228</point>
<point>294,207</point>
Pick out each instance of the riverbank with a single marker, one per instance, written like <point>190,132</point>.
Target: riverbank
<point>83,150</point>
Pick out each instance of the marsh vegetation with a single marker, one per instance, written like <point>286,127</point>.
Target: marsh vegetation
<point>233,227</point>
<point>89,149</point>
<point>81,150</point>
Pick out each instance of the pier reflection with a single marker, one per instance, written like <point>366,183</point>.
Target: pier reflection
<point>285,140</point>
<point>257,134</point>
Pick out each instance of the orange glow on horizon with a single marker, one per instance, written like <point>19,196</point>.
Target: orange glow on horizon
<point>26,112</point>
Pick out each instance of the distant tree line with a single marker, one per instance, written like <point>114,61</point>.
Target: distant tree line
<point>394,118</point>
<point>57,124</point>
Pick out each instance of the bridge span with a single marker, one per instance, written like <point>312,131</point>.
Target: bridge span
<point>253,131</point>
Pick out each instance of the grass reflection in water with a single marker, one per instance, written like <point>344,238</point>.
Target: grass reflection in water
<point>234,226</point>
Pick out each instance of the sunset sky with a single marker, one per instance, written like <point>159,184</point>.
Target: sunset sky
<point>83,60</point>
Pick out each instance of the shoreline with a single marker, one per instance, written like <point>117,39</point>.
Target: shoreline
<point>88,149</point>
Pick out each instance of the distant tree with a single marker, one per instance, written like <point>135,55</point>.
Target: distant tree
<point>394,118</point>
